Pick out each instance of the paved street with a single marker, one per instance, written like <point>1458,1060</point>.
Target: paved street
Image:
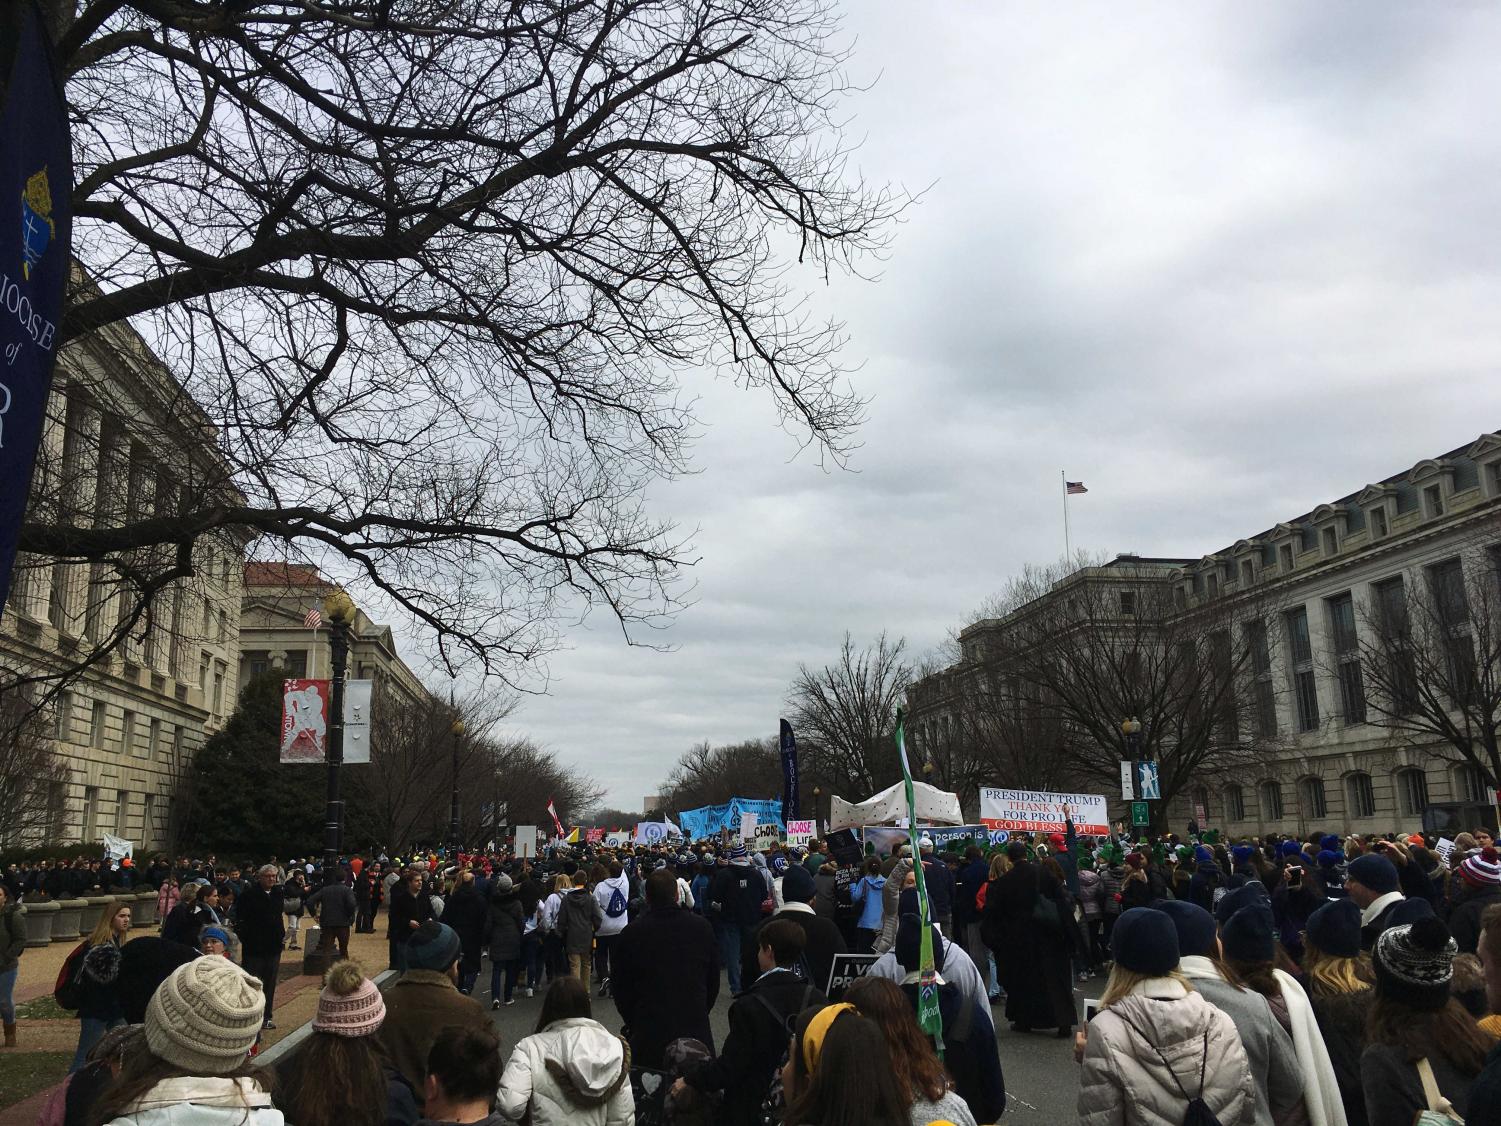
<point>1041,1076</point>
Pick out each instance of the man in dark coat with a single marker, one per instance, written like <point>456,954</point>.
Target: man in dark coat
<point>334,907</point>
<point>735,896</point>
<point>1024,922</point>
<point>823,937</point>
<point>666,974</point>
<point>465,912</point>
<point>1374,885</point>
<point>410,908</point>
<point>760,1023</point>
<point>261,929</point>
<point>940,883</point>
<point>972,876</point>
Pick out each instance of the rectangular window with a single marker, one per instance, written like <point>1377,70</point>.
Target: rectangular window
<point>122,813</point>
<point>203,663</point>
<point>1128,602</point>
<point>1261,679</point>
<point>1362,795</point>
<point>148,820</point>
<point>1400,665</point>
<point>1378,523</point>
<point>1314,804</point>
<point>1412,786</point>
<point>96,724</point>
<point>218,707</point>
<point>90,813</point>
<point>1235,804</point>
<point>154,739</point>
<point>1285,554</point>
<point>1347,658</point>
<point>1271,801</point>
<point>128,733</point>
<point>63,732</point>
<point>1331,541</point>
<point>1493,471</point>
<point>1247,572</point>
<point>1213,580</point>
<point>1300,654</point>
<point>1433,501</point>
<point>177,745</point>
<point>1222,685</point>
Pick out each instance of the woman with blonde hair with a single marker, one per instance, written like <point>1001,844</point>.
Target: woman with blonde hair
<point>99,1007</point>
<point>1157,1045</point>
<point>1339,989</point>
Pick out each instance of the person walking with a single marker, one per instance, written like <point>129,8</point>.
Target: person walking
<point>333,905</point>
<point>736,893</point>
<point>578,918</point>
<point>294,893</point>
<point>667,974</point>
<point>571,1071</point>
<point>613,894</point>
<point>259,925</point>
<point>168,894</point>
<point>200,1027</point>
<point>12,945</point>
<point>866,894</point>
<point>465,912</point>
<point>824,940</point>
<point>341,1075</point>
<point>502,934</point>
<point>410,909</point>
<point>1153,1032</point>
<point>99,1007</point>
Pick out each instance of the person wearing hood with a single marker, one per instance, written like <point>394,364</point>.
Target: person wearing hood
<point>502,934</point>
<point>1149,1012</point>
<point>572,1071</point>
<point>759,1020</point>
<point>1248,938</point>
<point>866,894</point>
<point>466,912</point>
<point>579,917</point>
<point>824,940</point>
<point>463,1072</point>
<point>200,1027</point>
<point>667,974</point>
<point>613,894</point>
<point>1269,1049</point>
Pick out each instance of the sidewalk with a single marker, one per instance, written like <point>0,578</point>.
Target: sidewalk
<point>296,1001</point>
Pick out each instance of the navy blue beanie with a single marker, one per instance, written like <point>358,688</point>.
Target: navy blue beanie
<point>1335,929</point>
<point>1145,941</point>
<point>1246,895</point>
<point>1242,853</point>
<point>1250,934</point>
<point>797,885</point>
<point>1289,848</point>
<point>1203,854</point>
<point>1410,911</point>
<point>1375,872</point>
<point>1328,859</point>
<point>1195,926</point>
<point>908,945</point>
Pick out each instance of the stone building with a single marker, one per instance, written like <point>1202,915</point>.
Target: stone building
<point>1312,590</point>
<point>123,441</point>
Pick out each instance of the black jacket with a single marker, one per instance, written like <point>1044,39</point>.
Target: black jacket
<point>1464,917</point>
<point>258,922</point>
<point>1342,1021</point>
<point>970,1053</point>
<point>940,883</point>
<point>824,940</point>
<point>335,905</point>
<point>735,895</point>
<point>406,908</point>
<point>761,1021</point>
<point>465,913</point>
<point>664,973</point>
<point>503,926</point>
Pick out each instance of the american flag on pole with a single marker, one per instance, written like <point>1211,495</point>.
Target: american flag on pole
<point>1074,488</point>
<point>312,619</point>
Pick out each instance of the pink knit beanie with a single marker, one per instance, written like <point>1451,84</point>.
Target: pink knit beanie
<point>350,1004</point>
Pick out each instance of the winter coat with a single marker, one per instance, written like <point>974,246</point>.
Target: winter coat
<point>735,896</point>
<point>334,904</point>
<point>1091,894</point>
<point>939,881</point>
<point>259,922</point>
<point>1125,1080</point>
<point>759,1022</point>
<point>466,912</point>
<point>167,897</point>
<point>1394,1091</point>
<point>970,1055</point>
<point>1464,918</point>
<point>202,1101</point>
<point>294,896</point>
<point>825,895</point>
<point>572,1073</point>
<point>1342,1021</point>
<point>665,979</point>
<point>406,909</point>
<point>503,925</point>
<point>99,998</point>
<point>12,936</point>
<point>1111,879</point>
<point>891,895</point>
<point>419,1005</point>
<point>605,892</point>
<point>578,919</point>
<point>824,941</point>
<point>867,896</point>
<point>967,884</point>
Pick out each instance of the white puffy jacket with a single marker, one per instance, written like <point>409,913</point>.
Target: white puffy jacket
<point>202,1101</point>
<point>1125,1082</point>
<point>573,1072</point>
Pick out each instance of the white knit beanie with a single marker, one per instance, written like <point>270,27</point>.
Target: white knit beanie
<point>205,1017</point>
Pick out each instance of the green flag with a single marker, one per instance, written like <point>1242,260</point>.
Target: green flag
<point>928,1016</point>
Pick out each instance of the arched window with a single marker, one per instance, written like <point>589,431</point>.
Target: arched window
<point>1235,804</point>
<point>1271,801</point>
<point>1469,784</point>
<point>1360,796</point>
<point>1311,797</point>
<point>1412,792</point>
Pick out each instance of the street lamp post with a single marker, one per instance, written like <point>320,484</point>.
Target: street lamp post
<point>1131,729</point>
<point>817,824</point>
<point>455,730</point>
<point>339,610</point>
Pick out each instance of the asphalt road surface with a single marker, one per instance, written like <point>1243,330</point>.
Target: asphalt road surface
<point>1042,1080</point>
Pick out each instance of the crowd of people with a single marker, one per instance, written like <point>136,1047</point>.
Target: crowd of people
<point>1318,981</point>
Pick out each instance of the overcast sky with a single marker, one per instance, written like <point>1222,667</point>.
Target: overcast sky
<point>1219,262</point>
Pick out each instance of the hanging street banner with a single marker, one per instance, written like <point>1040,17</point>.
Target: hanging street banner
<point>304,720</point>
<point>1148,782</point>
<point>36,193</point>
<point>1128,780</point>
<point>790,804</point>
<point>1040,811</point>
<point>359,696</point>
<point>707,820</point>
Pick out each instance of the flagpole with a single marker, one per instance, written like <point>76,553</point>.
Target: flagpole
<point>1068,550</point>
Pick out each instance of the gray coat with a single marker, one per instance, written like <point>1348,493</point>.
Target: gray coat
<point>1269,1049</point>
<point>334,904</point>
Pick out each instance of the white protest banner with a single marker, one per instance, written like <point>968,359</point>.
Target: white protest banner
<point>526,840</point>
<point>117,848</point>
<point>1040,811</point>
<point>617,840</point>
<point>651,832</point>
<point>1444,847</point>
<point>799,832</point>
<point>766,837</point>
<point>747,826</point>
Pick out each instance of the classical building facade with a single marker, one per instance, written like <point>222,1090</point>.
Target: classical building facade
<point>123,441</point>
<point>1310,590</point>
<point>274,633</point>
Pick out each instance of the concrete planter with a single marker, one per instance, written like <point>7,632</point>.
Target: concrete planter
<point>39,918</point>
<point>143,910</point>
<point>65,924</point>
<point>96,905</point>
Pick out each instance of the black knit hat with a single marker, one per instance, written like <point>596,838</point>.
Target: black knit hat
<point>1415,964</point>
<point>1335,929</point>
<point>1145,941</point>
<point>1250,934</point>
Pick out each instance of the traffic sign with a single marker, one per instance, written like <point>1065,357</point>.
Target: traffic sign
<point>1140,816</point>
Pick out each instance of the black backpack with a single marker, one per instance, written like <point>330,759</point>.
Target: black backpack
<point>1197,1112</point>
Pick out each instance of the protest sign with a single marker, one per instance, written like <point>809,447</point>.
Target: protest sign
<point>1444,847</point>
<point>707,820</point>
<point>526,840</point>
<point>845,848</point>
<point>766,837</point>
<point>651,832</point>
<point>799,832</point>
<point>117,848</point>
<point>846,969</point>
<point>617,839</point>
<point>1041,811</point>
<point>747,826</point>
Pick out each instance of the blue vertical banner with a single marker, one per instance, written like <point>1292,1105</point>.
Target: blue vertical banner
<point>36,211</point>
<point>791,808</point>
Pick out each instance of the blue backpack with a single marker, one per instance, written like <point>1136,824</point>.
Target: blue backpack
<point>617,904</point>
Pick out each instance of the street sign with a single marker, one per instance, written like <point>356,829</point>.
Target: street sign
<point>1140,816</point>
<point>1128,780</point>
<point>1148,784</point>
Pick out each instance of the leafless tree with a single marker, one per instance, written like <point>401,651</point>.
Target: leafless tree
<point>430,274</point>
<point>33,779</point>
<point>710,775</point>
<point>845,716</point>
<point>1429,649</point>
